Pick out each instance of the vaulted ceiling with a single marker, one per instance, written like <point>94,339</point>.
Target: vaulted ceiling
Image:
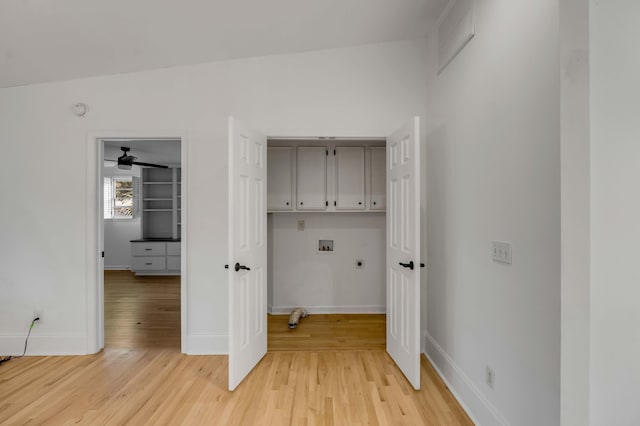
<point>45,40</point>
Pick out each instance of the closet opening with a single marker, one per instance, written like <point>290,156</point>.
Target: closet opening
<point>326,237</point>
<point>142,228</point>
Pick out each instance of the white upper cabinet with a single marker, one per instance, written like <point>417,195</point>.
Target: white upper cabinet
<point>280,178</point>
<point>377,187</point>
<point>350,172</point>
<point>311,179</point>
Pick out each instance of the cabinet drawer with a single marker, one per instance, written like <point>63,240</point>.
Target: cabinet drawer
<point>148,249</point>
<point>173,249</point>
<point>173,263</point>
<point>148,263</point>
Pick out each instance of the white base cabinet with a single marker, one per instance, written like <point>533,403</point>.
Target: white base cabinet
<point>155,257</point>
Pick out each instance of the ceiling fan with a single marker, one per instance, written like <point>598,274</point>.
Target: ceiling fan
<point>125,161</point>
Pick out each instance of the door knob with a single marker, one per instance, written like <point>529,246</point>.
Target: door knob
<point>407,265</point>
<point>238,267</point>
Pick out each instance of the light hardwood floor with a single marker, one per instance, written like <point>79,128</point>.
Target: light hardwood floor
<point>141,312</point>
<point>133,384</point>
<point>320,332</point>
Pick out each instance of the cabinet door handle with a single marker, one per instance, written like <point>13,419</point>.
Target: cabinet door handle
<point>148,249</point>
<point>287,203</point>
<point>148,263</point>
<point>359,203</point>
<point>374,203</point>
<point>301,203</point>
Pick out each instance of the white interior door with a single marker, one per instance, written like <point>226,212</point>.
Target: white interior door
<point>247,250</point>
<point>403,250</point>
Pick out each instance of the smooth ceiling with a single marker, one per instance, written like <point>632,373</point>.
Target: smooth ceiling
<point>45,40</point>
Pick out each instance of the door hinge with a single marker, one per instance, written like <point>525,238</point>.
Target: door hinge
<point>102,255</point>
<point>334,152</point>
<point>326,203</point>
<point>335,203</point>
<point>327,152</point>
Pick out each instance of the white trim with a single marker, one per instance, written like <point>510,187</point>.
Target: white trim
<point>206,344</point>
<point>94,263</point>
<point>471,399</point>
<point>328,138</point>
<point>354,309</point>
<point>117,268</point>
<point>44,344</point>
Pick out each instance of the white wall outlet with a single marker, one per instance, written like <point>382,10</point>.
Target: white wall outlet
<point>301,225</point>
<point>37,314</point>
<point>359,264</point>
<point>490,377</point>
<point>501,251</point>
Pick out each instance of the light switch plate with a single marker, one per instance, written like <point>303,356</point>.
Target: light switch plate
<point>501,251</point>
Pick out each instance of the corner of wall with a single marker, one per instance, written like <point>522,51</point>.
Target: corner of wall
<point>474,403</point>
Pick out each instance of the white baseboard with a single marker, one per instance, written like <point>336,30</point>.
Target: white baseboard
<point>42,344</point>
<point>207,344</point>
<point>355,309</point>
<point>476,405</point>
<point>117,268</point>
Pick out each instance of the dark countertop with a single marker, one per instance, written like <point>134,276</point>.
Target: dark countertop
<point>155,240</point>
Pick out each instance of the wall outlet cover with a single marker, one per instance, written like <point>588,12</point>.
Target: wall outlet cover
<point>490,377</point>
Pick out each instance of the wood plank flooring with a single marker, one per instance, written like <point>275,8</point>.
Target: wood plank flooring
<point>141,378</point>
<point>137,387</point>
<point>141,312</point>
<point>319,332</point>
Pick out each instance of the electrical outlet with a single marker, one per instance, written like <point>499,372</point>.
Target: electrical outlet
<point>359,264</point>
<point>490,377</point>
<point>37,314</point>
<point>501,251</point>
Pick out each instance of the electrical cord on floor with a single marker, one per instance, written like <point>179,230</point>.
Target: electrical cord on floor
<point>26,342</point>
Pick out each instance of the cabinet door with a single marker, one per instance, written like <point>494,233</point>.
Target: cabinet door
<point>311,182</point>
<point>279,178</point>
<point>350,178</point>
<point>378,194</point>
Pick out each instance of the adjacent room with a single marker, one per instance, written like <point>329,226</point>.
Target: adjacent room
<point>142,223</point>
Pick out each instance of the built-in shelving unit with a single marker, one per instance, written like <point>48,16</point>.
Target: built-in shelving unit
<point>160,203</point>
<point>158,251</point>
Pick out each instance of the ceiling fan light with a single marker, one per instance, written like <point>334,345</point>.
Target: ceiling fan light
<point>123,166</point>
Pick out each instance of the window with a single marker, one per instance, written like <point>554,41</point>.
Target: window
<point>118,197</point>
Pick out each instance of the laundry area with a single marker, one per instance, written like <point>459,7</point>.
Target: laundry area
<point>326,233</point>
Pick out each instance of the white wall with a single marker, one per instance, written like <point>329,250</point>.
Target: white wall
<point>615,212</point>
<point>47,258</point>
<point>575,163</point>
<point>117,246</point>
<point>328,283</point>
<point>493,173</point>
<point>119,232</point>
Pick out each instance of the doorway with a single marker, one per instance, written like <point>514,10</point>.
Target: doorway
<point>326,234</point>
<point>141,238</point>
<point>248,245</point>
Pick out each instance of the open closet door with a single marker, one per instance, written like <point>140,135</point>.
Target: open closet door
<point>247,250</point>
<point>403,250</point>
